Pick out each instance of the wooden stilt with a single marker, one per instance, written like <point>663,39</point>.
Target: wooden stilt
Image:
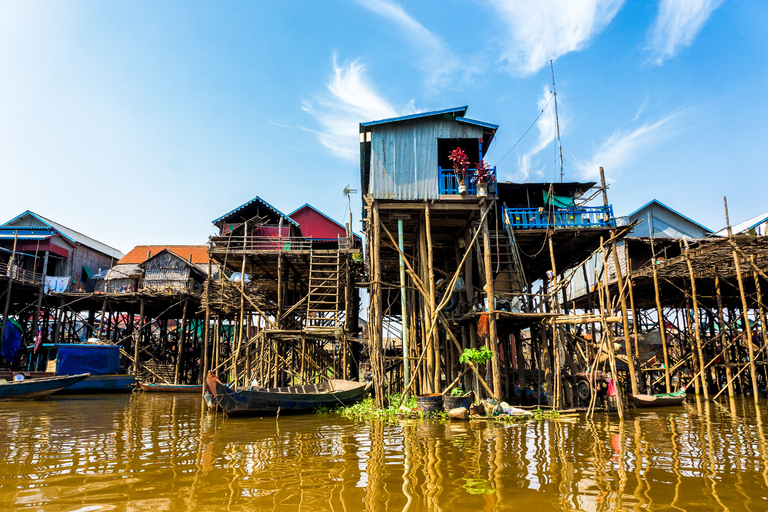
<point>723,340</point>
<point>490,296</point>
<point>182,338</point>
<point>697,323</point>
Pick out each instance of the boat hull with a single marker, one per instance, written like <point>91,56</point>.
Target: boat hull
<point>664,400</point>
<point>34,389</point>
<point>100,384</point>
<point>294,399</point>
<point>171,388</point>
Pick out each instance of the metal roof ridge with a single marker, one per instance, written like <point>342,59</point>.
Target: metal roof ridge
<point>257,198</point>
<point>460,111</point>
<point>326,216</point>
<point>649,203</point>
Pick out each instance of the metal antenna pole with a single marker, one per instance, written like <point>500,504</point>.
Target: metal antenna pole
<point>557,120</point>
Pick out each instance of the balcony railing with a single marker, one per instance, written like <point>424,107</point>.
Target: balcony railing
<point>448,184</point>
<point>576,217</point>
<point>19,274</point>
<point>261,243</point>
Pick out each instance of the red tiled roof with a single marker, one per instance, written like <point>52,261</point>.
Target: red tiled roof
<point>139,253</point>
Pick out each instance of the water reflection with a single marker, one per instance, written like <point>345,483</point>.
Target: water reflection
<point>145,452</point>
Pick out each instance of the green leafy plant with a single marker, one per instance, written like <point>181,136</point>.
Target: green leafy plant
<point>457,391</point>
<point>476,355</point>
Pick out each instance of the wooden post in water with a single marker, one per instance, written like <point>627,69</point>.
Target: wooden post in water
<point>744,308</point>
<point>489,293</point>
<point>723,341</point>
<point>624,318</point>
<point>207,334</point>
<point>182,338</point>
<point>137,339</point>
<point>374,324</point>
<point>433,350</point>
<point>697,325</point>
<point>662,323</point>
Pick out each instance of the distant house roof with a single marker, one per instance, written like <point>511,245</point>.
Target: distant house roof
<point>197,267</point>
<point>456,114</point>
<point>307,205</point>
<point>256,201</point>
<point>656,203</point>
<point>137,255</point>
<point>36,233</point>
<point>745,226</point>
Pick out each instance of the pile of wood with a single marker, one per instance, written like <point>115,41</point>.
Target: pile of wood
<point>225,296</point>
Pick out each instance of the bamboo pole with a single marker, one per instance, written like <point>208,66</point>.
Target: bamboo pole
<point>182,336</point>
<point>137,339</point>
<point>745,310</point>
<point>624,319</point>
<point>207,334</point>
<point>375,334</point>
<point>434,370</point>
<point>489,292</point>
<point>662,325</point>
<point>726,354</point>
<point>606,330</point>
<point>697,322</point>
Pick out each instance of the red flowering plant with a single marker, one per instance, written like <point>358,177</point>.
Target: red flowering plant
<point>484,173</point>
<point>460,163</point>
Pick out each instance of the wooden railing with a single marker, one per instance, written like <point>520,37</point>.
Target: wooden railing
<point>448,184</point>
<point>576,217</point>
<point>260,243</point>
<point>19,274</point>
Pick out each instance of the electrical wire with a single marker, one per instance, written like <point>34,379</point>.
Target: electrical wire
<point>526,131</point>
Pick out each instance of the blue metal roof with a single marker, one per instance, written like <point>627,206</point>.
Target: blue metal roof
<point>656,201</point>
<point>327,217</point>
<point>457,112</point>
<point>263,203</point>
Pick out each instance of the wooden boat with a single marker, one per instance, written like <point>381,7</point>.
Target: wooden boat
<point>171,388</point>
<point>101,361</point>
<point>292,399</point>
<point>97,384</point>
<point>661,400</point>
<point>33,389</point>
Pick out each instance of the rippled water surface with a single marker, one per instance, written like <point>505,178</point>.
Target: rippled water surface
<point>156,452</point>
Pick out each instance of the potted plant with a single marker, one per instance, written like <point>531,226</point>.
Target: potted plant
<point>483,178</point>
<point>460,164</point>
<point>478,356</point>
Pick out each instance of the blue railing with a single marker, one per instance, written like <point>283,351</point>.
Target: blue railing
<point>449,185</point>
<point>576,217</point>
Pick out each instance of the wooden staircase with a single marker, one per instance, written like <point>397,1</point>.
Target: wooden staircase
<point>505,264</point>
<point>326,294</point>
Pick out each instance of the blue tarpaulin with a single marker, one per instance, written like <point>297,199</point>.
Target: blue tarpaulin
<point>93,359</point>
<point>12,342</point>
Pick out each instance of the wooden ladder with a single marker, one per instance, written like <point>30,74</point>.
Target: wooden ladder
<point>323,303</point>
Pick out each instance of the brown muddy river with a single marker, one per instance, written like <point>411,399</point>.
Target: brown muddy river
<point>146,452</point>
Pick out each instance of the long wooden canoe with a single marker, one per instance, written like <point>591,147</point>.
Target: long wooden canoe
<point>661,400</point>
<point>33,389</point>
<point>292,399</point>
<point>171,388</point>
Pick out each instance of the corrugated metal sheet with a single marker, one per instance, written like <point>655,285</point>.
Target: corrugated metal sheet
<point>138,254</point>
<point>404,157</point>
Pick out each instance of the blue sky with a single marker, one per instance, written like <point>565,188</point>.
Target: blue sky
<point>140,122</point>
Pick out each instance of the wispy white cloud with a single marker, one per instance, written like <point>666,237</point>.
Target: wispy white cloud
<point>546,126</point>
<point>350,99</point>
<point>677,24</point>
<point>641,109</point>
<point>540,30</point>
<point>620,148</point>
<point>437,60</point>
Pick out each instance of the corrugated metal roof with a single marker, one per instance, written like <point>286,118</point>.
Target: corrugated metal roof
<point>744,226</point>
<point>138,254</point>
<point>307,205</point>
<point>263,203</point>
<point>657,202</point>
<point>457,111</point>
<point>69,234</point>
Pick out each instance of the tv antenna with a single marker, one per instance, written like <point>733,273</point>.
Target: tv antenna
<point>557,119</point>
<point>347,192</point>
